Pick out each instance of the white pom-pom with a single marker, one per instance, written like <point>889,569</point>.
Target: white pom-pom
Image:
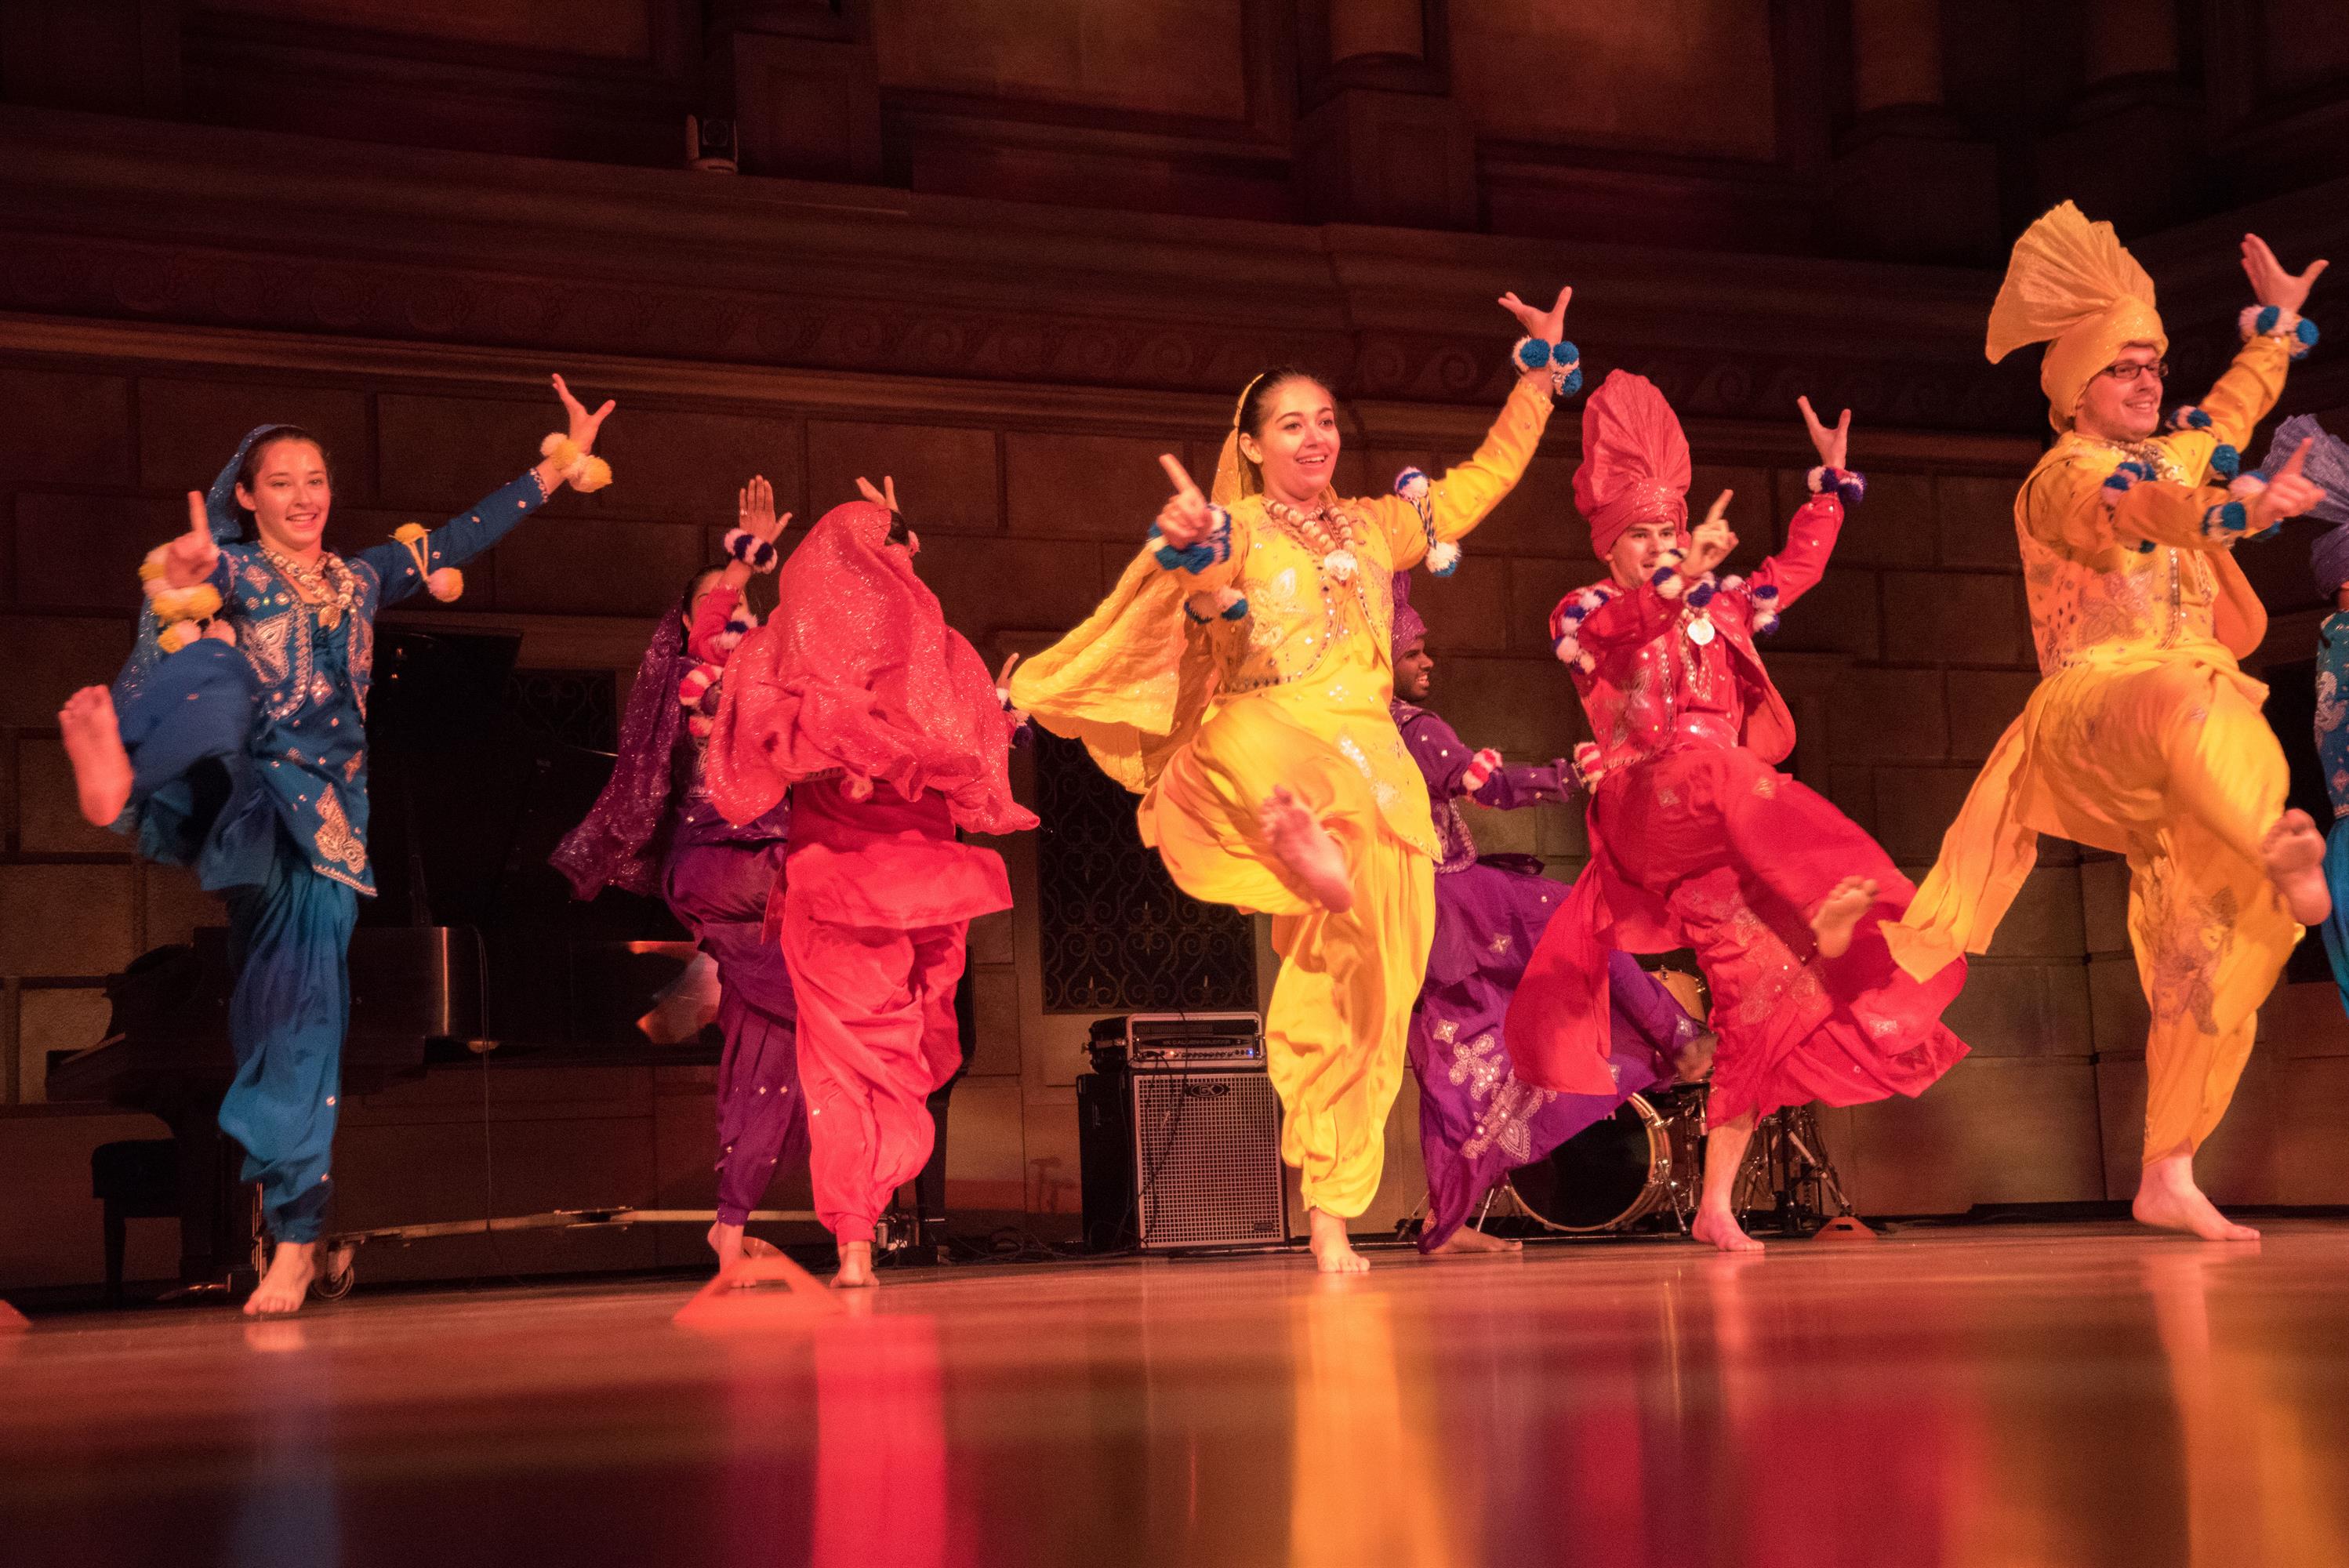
<point>1443,559</point>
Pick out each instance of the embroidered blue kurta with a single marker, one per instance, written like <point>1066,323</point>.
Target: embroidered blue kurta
<point>309,726</point>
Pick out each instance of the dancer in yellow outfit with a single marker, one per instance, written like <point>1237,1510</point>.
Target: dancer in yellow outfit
<point>2144,737</point>
<point>1238,678</point>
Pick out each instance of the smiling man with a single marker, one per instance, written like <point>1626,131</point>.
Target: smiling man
<point>2144,737</point>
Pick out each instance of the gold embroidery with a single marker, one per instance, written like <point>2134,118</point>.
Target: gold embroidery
<point>336,840</point>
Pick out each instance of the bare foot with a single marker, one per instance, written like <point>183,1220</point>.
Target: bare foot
<point>1692,1063</point>
<point>1719,1228</point>
<point>1840,914</point>
<point>93,746</point>
<point>1305,847</point>
<point>2294,852</point>
<point>1332,1252</point>
<point>855,1267</point>
<point>2167,1199</point>
<point>220,630</point>
<point>733,1247</point>
<point>282,1288</point>
<point>1469,1241</point>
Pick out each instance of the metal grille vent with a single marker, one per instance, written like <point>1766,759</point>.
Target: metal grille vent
<point>1207,1159</point>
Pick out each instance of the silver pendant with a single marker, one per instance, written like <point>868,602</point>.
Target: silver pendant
<point>1701,630</point>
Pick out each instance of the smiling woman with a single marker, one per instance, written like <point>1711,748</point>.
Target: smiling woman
<point>1238,678</point>
<point>234,740</point>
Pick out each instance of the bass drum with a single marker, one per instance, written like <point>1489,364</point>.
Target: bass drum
<point>1610,1175</point>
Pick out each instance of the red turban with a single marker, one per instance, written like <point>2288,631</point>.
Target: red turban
<point>857,675</point>
<point>1635,460</point>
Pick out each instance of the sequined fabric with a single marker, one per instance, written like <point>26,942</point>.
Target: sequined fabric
<point>617,843</point>
<point>857,674</point>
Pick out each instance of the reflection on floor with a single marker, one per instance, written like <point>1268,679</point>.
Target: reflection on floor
<point>1994,1395</point>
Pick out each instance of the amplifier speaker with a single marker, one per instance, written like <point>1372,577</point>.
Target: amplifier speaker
<point>1181,1160</point>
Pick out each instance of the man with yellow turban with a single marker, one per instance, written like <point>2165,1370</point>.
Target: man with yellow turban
<point>2144,737</point>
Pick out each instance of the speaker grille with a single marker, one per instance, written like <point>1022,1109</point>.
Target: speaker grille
<point>1207,1159</point>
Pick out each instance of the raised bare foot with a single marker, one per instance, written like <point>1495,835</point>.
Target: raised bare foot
<point>2167,1199</point>
<point>1692,1063</point>
<point>1840,914</point>
<point>220,629</point>
<point>2294,852</point>
<point>1719,1228</point>
<point>282,1288</point>
<point>1333,1252</point>
<point>93,746</point>
<point>1305,847</point>
<point>855,1267</point>
<point>1468,1241</point>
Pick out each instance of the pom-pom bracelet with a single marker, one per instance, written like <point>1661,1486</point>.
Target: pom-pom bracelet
<point>1847,485</point>
<point>1562,359</point>
<point>2274,321</point>
<point>581,471</point>
<point>758,554</point>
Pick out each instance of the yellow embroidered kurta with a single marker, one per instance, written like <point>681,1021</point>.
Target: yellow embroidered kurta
<point>2143,737</point>
<point>1205,720</point>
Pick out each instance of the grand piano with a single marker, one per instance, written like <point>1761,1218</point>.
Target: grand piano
<point>472,944</point>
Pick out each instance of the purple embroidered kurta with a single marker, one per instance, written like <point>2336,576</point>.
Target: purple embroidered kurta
<point>654,828</point>
<point>1477,1120</point>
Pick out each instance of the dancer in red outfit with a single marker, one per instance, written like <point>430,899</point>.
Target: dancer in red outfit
<point>1696,840</point>
<point>885,730</point>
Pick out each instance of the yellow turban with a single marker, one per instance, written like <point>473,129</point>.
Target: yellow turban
<point>2073,286</point>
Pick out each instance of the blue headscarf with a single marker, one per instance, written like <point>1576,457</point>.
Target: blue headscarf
<point>2327,465</point>
<point>220,502</point>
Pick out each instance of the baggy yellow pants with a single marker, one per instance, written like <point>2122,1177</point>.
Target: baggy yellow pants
<point>2166,760</point>
<point>1340,1009</point>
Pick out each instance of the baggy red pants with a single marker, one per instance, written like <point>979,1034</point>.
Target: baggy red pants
<point>878,897</point>
<point>876,1034</point>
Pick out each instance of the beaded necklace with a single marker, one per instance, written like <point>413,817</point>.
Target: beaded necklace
<point>1327,532</point>
<point>329,587</point>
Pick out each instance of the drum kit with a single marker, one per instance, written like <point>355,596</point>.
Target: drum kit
<point>1639,1172</point>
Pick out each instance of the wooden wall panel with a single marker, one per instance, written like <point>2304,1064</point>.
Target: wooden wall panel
<point>1156,56</point>
<point>1691,76</point>
<point>596,29</point>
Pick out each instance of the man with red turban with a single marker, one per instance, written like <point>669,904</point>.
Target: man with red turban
<point>882,725</point>
<point>1696,840</point>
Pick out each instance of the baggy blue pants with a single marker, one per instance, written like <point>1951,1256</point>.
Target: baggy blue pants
<point>289,939</point>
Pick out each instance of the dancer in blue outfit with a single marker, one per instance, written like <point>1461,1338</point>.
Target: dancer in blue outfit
<point>2327,464</point>
<point>234,741</point>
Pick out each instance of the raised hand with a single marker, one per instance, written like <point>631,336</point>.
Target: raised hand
<point>2270,284</point>
<point>1712,541</point>
<point>1184,519</point>
<point>886,495</point>
<point>1831,444</point>
<point>1003,676</point>
<point>2288,494</point>
<point>583,425</point>
<point>192,556</point>
<point>1549,325</point>
<point>755,509</point>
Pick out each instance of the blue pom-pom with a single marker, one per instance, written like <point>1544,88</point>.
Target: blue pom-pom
<point>1404,480</point>
<point>1574,612</point>
<point>1565,352</point>
<point>2306,333</point>
<point>2269,316</point>
<point>2263,535</point>
<point>2228,517</point>
<point>1236,610</point>
<point>1701,595</point>
<point>1533,353</point>
<point>1766,591</point>
<point>1661,575</point>
<point>2226,461</point>
<point>1852,486</point>
<point>2145,547</point>
<point>2189,418</point>
<point>1572,384</point>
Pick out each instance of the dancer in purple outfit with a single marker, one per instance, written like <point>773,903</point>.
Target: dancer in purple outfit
<point>653,829</point>
<point>1477,1121</point>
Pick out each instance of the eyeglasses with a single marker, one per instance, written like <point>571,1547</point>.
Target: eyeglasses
<point>2124,373</point>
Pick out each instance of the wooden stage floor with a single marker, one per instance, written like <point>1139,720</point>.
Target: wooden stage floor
<point>1993,1395</point>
